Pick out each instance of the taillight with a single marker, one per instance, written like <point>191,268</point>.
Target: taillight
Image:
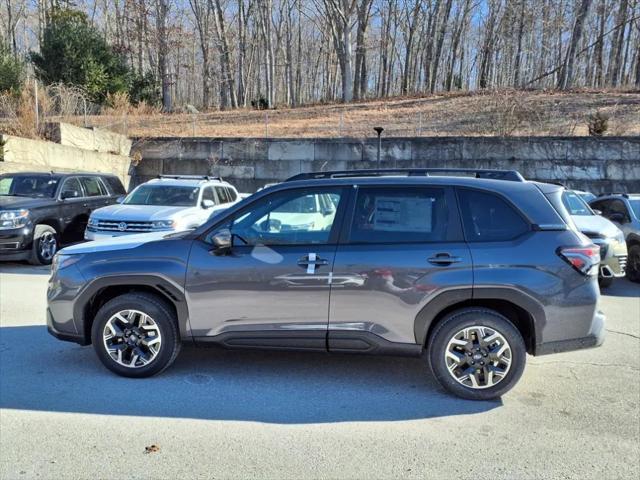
<point>583,259</point>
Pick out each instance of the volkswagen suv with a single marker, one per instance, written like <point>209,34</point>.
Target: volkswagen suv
<point>167,203</point>
<point>473,269</point>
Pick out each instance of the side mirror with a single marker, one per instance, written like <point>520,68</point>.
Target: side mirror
<point>69,194</point>
<point>207,204</point>
<point>120,199</point>
<point>597,212</point>
<point>222,241</point>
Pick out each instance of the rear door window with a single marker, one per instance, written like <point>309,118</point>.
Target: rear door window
<point>489,218</point>
<point>399,215</point>
<point>232,194</point>
<point>222,194</point>
<point>93,187</point>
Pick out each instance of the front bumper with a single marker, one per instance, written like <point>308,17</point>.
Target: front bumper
<point>15,244</point>
<point>60,335</point>
<point>594,338</point>
<point>613,259</point>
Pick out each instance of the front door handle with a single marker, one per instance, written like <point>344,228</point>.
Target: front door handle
<point>443,259</point>
<point>311,261</point>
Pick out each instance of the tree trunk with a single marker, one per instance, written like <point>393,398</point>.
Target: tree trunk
<point>566,73</point>
<point>162,8</point>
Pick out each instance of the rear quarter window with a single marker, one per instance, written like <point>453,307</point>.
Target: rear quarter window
<point>115,185</point>
<point>489,218</point>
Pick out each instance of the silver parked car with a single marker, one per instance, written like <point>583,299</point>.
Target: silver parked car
<point>476,272</point>
<point>610,239</point>
<point>168,203</point>
<point>623,209</point>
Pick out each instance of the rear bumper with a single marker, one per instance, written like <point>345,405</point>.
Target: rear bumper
<point>595,338</point>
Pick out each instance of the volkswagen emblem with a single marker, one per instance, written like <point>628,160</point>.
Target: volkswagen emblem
<point>122,226</point>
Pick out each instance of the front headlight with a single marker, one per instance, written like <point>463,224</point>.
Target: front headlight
<point>164,224</point>
<point>93,222</point>
<point>13,219</point>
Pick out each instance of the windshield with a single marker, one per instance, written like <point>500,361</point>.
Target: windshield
<point>41,186</point>
<point>165,195</point>
<point>575,205</point>
<point>635,206</point>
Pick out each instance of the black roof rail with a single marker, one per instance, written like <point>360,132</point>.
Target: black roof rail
<point>512,175</point>
<point>190,177</point>
<point>622,194</point>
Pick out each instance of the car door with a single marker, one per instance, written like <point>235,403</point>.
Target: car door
<point>272,288</point>
<point>403,247</point>
<point>72,208</point>
<point>96,193</point>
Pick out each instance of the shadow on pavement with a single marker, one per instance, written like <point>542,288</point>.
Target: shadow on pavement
<point>15,268</point>
<point>621,287</point>
<point>38,372</point>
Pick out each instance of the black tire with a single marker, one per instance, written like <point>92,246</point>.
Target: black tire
<point>44,234</point>
<point>633,264</point>
<point>458,320</point>
<point>605,282</point>
<point>164,318</point>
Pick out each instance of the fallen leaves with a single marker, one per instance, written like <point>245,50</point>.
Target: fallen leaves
<point>152,449</point>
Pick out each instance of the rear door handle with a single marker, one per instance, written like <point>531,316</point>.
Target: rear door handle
<point>443,259</point>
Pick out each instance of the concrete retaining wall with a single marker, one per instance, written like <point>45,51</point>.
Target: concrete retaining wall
<point>88,138</point>
<point>21,154</point>
<point>596,164</point>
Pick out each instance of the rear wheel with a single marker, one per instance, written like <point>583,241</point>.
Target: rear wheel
<point>476,353</point>
<point>136,335</point>
<point>44,246</point>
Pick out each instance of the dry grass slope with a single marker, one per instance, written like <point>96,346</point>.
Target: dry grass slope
<point>495,113</point>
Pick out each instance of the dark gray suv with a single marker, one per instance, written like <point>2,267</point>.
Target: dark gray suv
<point>476,271</point>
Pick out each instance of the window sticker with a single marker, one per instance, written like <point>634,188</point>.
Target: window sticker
<point>398,214</point>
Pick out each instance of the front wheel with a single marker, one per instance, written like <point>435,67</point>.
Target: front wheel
<point>633,264</point>
<point>44,246</point>
<point>476,353</point>
<point>136,335</point>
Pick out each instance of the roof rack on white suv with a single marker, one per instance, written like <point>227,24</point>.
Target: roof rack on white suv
<point>189,177</point>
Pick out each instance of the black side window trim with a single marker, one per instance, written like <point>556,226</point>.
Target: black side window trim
<point>499,195</point>
<point>454,230</point>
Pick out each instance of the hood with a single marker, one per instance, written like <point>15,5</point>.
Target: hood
<point>592,225</point>
<point>139,213</point>
<point>10,202</point>
<point>124,242</point>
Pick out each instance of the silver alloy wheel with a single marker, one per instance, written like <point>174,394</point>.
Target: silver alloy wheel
<point>47,245</point>
<point>478,357</point>
<point>132,338</point>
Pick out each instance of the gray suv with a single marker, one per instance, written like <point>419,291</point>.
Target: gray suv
<point>473,270</point>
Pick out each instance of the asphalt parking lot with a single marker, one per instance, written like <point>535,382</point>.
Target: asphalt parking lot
<point>222,414</point>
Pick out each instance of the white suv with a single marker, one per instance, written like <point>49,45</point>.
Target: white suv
<point>168,203</point>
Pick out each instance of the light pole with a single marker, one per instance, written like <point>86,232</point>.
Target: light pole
<point>379,131</point>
